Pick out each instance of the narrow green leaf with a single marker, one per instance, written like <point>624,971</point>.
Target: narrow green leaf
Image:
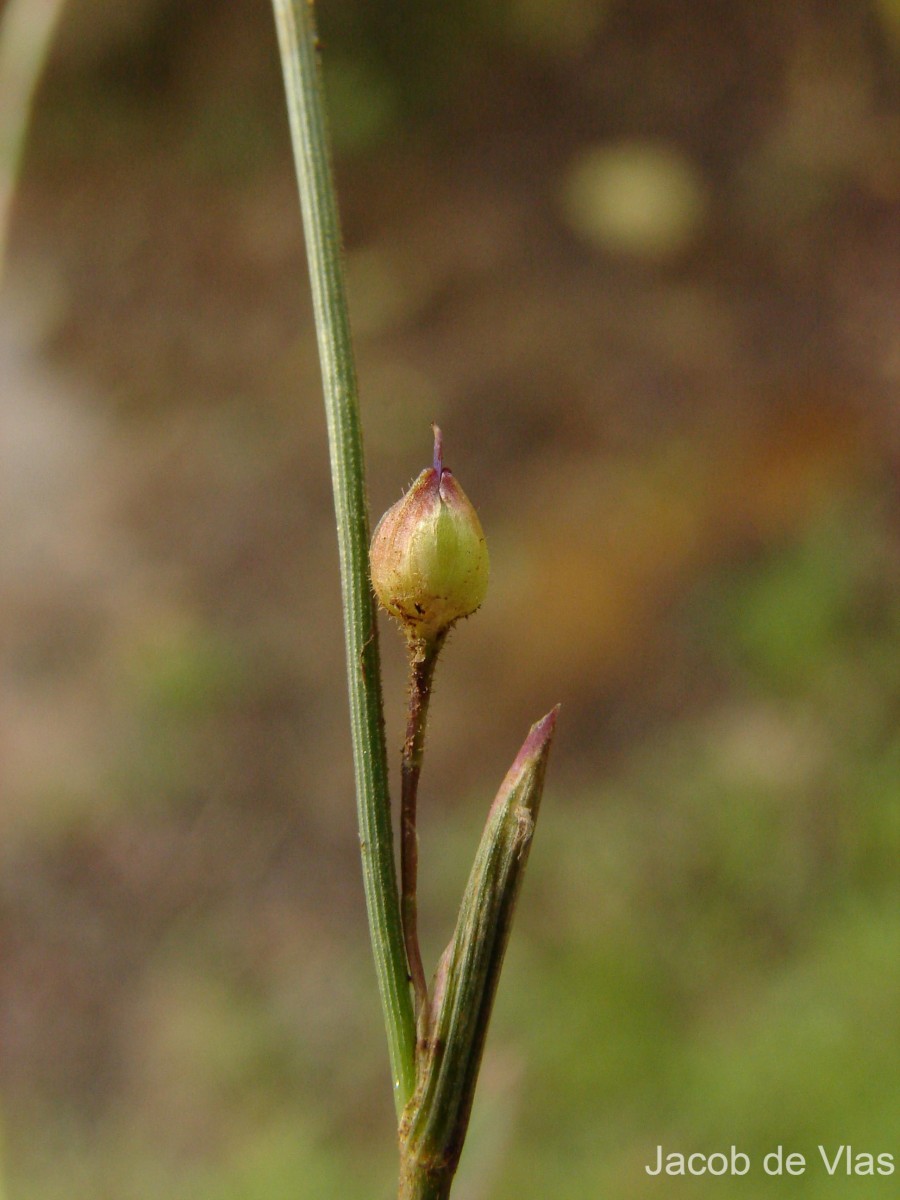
<point>434,1124</point>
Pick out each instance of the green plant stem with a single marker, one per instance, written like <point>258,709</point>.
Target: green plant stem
<point>434,1125</point>
<point>423,659</point>
<point>417,1184</point>
<point>297,43</point>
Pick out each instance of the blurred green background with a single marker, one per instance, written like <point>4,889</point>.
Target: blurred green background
<point>641,260</point>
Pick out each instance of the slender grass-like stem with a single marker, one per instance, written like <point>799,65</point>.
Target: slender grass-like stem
<point>417,1184</point>
<point>297,43</point>
<point>423,659</point>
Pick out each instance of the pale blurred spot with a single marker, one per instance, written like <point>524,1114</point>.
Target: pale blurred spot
<point>889,13</point>
<point>767,745</point>
<point>831,133</point>
<point>402,400</point>
<point>53,557</point>
<point>556,26</point>
<point>381,295</point>
<point>362,102</point>
<point>640,198</point>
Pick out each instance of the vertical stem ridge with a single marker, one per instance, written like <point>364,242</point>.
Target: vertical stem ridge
<point>297,43</point>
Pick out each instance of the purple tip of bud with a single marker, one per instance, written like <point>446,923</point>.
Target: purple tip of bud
<point>438,451</point>
<point>533,753</point>
<point>538,740</point>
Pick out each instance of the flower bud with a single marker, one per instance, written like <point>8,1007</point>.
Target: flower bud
<point>428,559</point>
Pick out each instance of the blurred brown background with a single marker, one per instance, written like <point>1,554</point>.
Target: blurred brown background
<point>640,260</point>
